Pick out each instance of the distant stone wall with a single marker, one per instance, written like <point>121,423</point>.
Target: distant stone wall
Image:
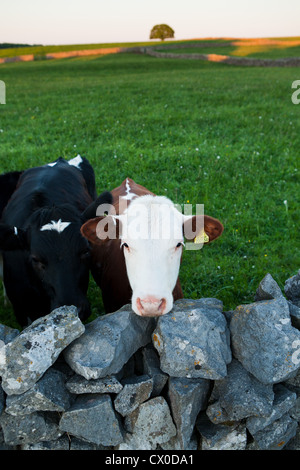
<point>156,52</point>
<point>195,378</point>
<point>226,59</point>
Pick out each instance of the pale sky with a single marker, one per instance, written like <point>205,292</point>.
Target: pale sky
<point>98,21</point>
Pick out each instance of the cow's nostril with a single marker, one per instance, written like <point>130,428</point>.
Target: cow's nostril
<point>139,304</point>
<point>162,305</point>
<point>151,306</point>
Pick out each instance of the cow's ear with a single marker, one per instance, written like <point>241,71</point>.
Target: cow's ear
<point>101,229</point>
<point>202,231</point>
<point>212,227</point>
<point>102,204</point>
<point>12,238</point>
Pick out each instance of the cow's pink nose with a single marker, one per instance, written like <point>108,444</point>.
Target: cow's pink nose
<point>151,306</point>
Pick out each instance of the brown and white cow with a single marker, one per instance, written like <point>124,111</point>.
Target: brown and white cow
<point>137,249</point>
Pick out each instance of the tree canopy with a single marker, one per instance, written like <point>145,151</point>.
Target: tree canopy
<point>161,31</point>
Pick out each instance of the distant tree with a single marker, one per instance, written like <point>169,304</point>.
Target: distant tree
<point>161,31</point>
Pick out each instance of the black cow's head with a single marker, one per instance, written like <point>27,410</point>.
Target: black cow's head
<point>57,255</point>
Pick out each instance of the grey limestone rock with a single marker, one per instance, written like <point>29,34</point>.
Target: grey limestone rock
<point>294,443</point>
<point>193,340</point>
<point>108,343</point>
<point>136,390</point>
<point>283,402</point>
<point>2,400</point>
<point>264,340</point>
<point>78,385</point>
<point>150,424</point>
<point>292,288</point>
<point>295,314</point>
<point>48,394</point>
<point>268,289</point>
<point>26,358</point>
<point>187,398</point>
<point>29,429</point>
<point>151,367</point>
<point>135,442</point>
<point>293,385</point>
<point>238,396</point>
<point>232,436</point>
<point>173,383</point>
<point>80,444</point>
<point>66,442</point>
<point>276,435</point>
<point>93,419</point>
<point>62,443</point>
<point>7,334</point>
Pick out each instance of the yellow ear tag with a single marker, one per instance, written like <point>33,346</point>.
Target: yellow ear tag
<point>201,238</point>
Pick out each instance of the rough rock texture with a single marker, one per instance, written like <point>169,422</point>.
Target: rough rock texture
<point>284,401</point>
<point>264,340</point>
<point>48,394</point>
<point>7,334</point>
<point>239,395</point>
<point>151,366</point>
<point>187,398</point>
<point>292,288</point>
<point>92,418</point>
<point>150,424</point>
<point>108,343</point>
<point>193,341</point>
<point>268,289</point>
<point>114,387</point>
<point>26,358</point>
<point>231,436</point>
<point>135,391</point>
<point>32,428</point>
<point>277,434</point>
<point>2,400</point>
<point>78,385</point>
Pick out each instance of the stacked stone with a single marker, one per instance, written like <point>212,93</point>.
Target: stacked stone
<point>196,378</point>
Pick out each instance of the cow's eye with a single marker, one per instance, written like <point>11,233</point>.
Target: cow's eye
<point>125,245</point>
<point>179,245</point>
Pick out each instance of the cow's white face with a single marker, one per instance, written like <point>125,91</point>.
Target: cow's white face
<point>152,240</point>
<point>151,233</point>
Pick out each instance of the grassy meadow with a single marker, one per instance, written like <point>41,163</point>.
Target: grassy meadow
<point>274,48</point>
<point>197,132</point>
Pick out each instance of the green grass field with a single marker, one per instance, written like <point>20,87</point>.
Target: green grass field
<point>253,48</point>
<point>42,50</point>
<point>224,136</point>
<point>272,48</point>
<point>259,53</point>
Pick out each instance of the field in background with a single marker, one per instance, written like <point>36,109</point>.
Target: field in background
<point>273,48</point>
<point>42,50</point>
<point>197,132</point>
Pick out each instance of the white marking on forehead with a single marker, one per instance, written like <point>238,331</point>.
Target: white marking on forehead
<point>15,231</point>
<point>152,218</point>
<point>76,161</point>
<point>59,226</point>
<point>52,164</point>
<point>128,195</point>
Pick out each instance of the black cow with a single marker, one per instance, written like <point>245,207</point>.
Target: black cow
<point>8,184</point>
<point>45,257</point>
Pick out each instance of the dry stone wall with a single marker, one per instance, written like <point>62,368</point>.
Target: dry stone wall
<point>226,59</point>
<point>196,378</point>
